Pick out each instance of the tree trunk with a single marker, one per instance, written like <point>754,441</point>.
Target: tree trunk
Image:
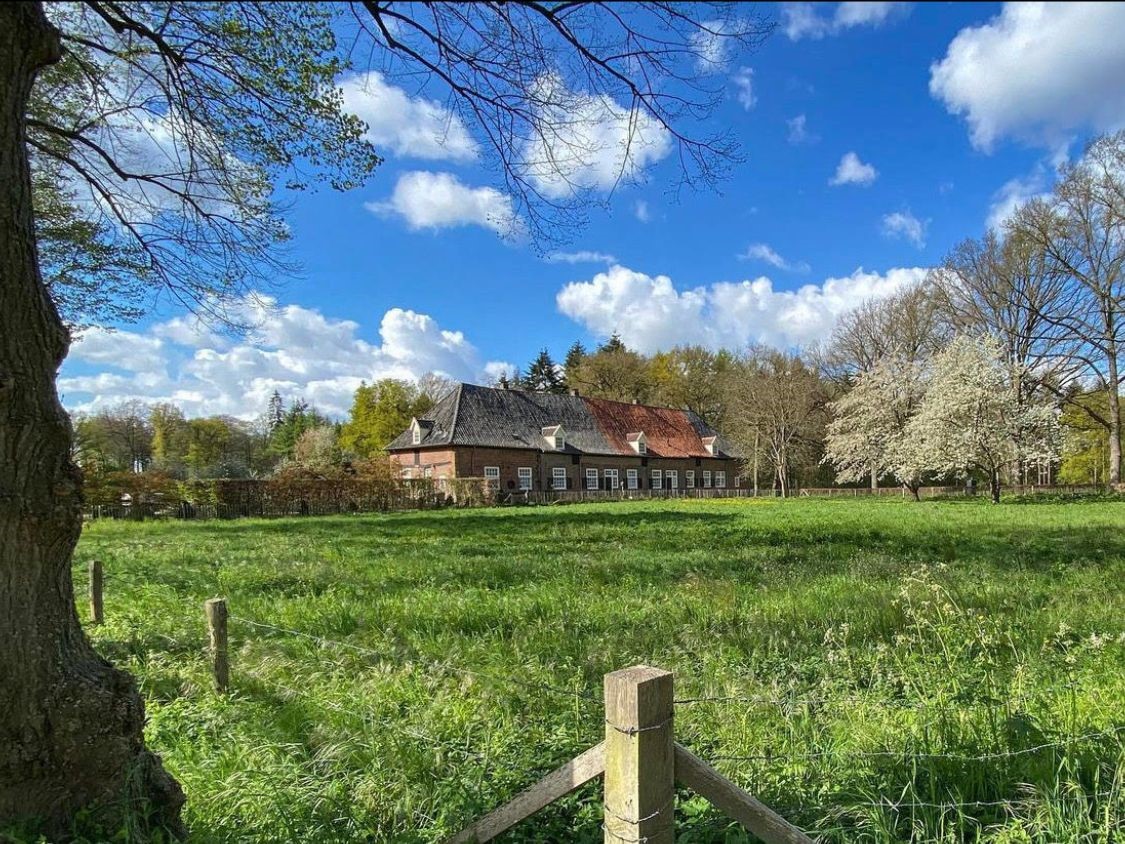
<point>70,723</point>
<point>756,452</point>
<point>914,490</point>
<point>1114,417</point>
<point>994,484</point>
<point>874,477</point>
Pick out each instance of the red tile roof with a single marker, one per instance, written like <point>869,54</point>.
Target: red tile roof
<point>669,433</point>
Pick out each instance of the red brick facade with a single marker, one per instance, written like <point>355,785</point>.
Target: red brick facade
<point>473,461</point>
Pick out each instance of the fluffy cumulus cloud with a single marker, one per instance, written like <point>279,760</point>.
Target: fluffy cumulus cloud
<point>904,225</point>
<point>852,171</point>
<point>589,142</point>
<point>1037,71</point>
<point>427,200</point>
<point>651,313</point>
<point>297,351</point>
<point>808,20</point>
<point>404,125</point>
<point>767,254</point>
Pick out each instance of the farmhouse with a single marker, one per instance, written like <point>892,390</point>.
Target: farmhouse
<point>528,441</point>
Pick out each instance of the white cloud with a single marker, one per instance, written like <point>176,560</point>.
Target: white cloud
<point>641,212</point>
<point>582,256</point>
<point>1037,71</point>
<point>764,252</point>
<point>122,349</point>
<point>903,224</point>
<point>852,171</point>
<point>407,126</point>
<point>297,351</point>
<point>744,82</point>
<point>650,313</point>
<point>712,46</point>
<point>804,20</point>
<point>799,131</point>
<point>588,142</point>
<point>428,200</point>
<point>1015,193</point>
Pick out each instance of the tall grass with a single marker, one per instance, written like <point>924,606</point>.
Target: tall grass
<point>878,671</point>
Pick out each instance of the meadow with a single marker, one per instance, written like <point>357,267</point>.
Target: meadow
<point>876,671</point>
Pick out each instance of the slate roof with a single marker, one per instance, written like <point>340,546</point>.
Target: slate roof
<point>497,418</point>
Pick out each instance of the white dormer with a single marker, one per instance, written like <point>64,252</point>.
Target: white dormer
<point>639,442</point>
<point>415,431</point>
<point>555,437</point>
<point>709,444</point>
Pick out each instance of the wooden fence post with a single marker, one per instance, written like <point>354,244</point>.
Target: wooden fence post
<point>97,614</point>
<point>217,627</point>
<point>639,756</point>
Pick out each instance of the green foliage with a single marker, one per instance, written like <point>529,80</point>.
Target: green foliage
<point>887,660</point>
<point>574,356</point>
<point>297,419</point>
<point>380,412</point>
<point>543,375</point>
<point>1085,452</point>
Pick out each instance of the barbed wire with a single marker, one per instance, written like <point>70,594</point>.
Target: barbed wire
<point>467,672</point>
<point>983,757</point>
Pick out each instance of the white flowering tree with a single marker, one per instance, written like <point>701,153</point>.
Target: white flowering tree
<point>971,417</point>
<point>867,433</point>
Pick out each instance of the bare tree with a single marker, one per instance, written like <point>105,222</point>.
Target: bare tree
<point>1080,231</point>
<point>778,411</point>
<point>166,128</point>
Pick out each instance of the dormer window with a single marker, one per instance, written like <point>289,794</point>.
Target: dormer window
<point>709,444</point>
<point>639,442</point>
<point>415,432</point>
<point>555,437</point>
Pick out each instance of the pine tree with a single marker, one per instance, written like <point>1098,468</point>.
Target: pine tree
<point>276,413</point>
<point>574,357</point>
<point>543,375</point>
<point>613,344</point>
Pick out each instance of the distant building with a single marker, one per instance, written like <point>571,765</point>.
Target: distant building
<point>527,441</point>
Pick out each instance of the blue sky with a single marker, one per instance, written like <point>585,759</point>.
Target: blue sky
<point>876,137</point>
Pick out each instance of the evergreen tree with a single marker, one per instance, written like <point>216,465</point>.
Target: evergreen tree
<point>380,412</point>
<point>276,413</point>
<point>574,357</point>
<point>613,344</point>
<point>543,375</point>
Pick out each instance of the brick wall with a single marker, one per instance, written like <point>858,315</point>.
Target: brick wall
<point>471,462</point>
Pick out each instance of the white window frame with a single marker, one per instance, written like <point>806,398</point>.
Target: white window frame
<point>642,447</point>
<point>612,478</point>
<point>524,473</point>
<point>591,478</point>
<point>492,476</point>
<point>720,479</point>
<point>556,473</point>
<point>689,479</point>
<point>630,478</point>
<point>415,434</point>
<point>706,478</point>
<point>657,479</point>
<point>673,478</point>
<point>560,442</point>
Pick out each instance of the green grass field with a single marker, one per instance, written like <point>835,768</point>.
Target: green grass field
<point>946,671</point>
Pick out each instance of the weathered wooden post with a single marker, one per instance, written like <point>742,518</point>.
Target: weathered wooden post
<point>97,613</point>
<point>639,756</point>
<point>217,627</point>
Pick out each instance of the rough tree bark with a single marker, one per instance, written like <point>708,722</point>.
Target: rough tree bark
<point>70,723</point>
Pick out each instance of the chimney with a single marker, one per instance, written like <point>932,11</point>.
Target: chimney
<point>574,392</point>
<point>636,401</point>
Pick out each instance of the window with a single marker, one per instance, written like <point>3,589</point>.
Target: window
<point>720,479</point>
<point>706,478</point>
<point>415,433</point>
<point>524,473</point>
<point>560,442</point>
<point>558,478</point>
<point>591,479</point>
<point>492,476</point>
<point>611,479</point>
<point>673,478</point>
<point>689,479</point>
<point>657,479</point>
<point>631,478</point>
<point>642,447</point>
